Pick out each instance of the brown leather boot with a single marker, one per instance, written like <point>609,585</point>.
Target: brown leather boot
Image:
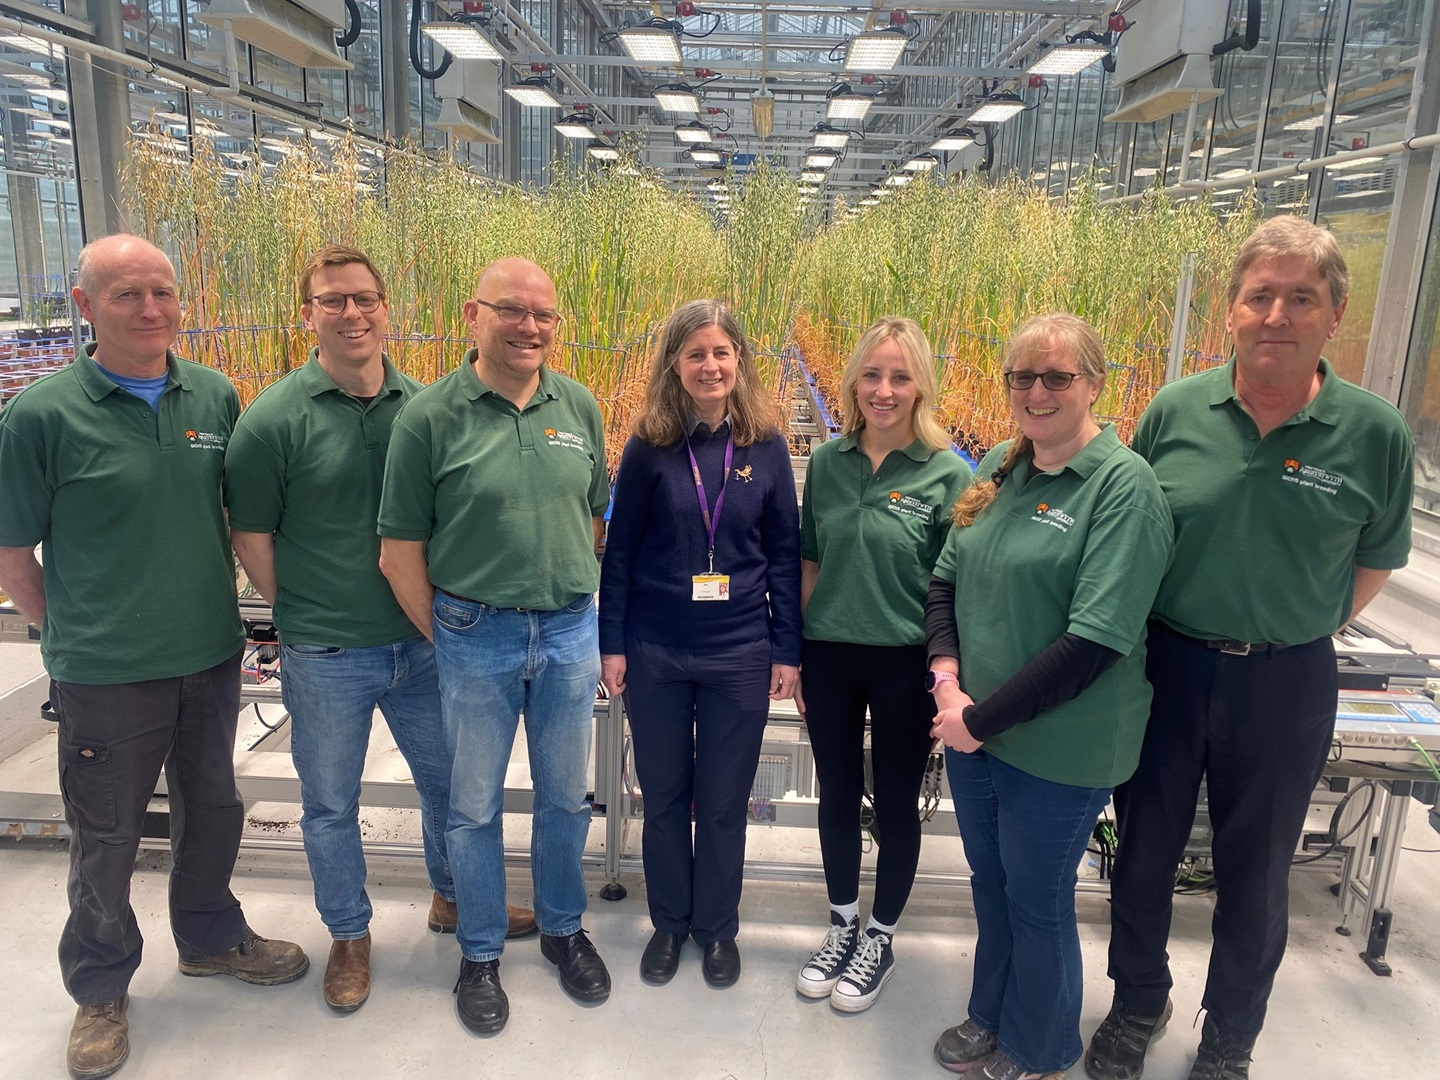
<point>445,916</point>
<point>347,975</point>
<point>522,921</point>
<point>99,1039</point>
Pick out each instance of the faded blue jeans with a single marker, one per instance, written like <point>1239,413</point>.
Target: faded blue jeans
<point>332,695</point>
<point>494,664</point>
<point>1024,837</point>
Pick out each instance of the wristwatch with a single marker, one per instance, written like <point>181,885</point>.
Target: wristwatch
<point>933,679</point>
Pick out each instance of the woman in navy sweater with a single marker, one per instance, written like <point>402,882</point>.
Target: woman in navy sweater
<point>700,621</point>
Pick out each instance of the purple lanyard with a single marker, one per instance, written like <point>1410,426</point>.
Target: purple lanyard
<point>711,523</point>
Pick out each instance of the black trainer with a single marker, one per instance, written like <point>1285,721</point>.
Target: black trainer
<point>479,999</point>
<point>582,972</point>
<point>1117,1049</point>
<point>1222,1056</point>
<point>823,970</point>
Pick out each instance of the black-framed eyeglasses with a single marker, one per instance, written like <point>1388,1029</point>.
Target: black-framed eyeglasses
<point>1051,380</point>
<point>334,302</point>
<point>512,313</point>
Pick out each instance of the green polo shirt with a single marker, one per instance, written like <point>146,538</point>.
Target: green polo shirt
<point>876,536</point>
<point>1080,551</point>
<point>306,463</point>
<point>125,501</point>
<point>504,496</point>
<point>1268,531</point>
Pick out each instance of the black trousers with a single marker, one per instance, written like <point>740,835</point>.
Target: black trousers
<point>840,680</point>
<point>1258,729</point>
<point>698,719</point>
<point>113,742</point>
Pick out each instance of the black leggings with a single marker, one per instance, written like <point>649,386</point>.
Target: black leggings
<point>840,680</point>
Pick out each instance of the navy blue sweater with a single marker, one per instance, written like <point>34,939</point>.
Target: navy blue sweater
<point>657,544</point>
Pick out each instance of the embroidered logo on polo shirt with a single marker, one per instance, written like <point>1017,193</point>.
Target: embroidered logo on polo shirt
<point>556,437</point>
<point>1052,516</point>
<point>746,474</point>
<point>911,507</point>
<point>1309,476</point>
<point>205,440</point>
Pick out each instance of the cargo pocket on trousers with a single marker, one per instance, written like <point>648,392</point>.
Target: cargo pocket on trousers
<point>85,781</point>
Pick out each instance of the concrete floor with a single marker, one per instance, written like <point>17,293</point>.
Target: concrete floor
<point>1329,1016</point>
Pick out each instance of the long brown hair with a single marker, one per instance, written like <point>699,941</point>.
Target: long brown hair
<point>1060,332</point>
<point>665,414</point>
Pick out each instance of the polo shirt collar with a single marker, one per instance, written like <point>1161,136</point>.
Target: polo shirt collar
<point>316,380</point>
<point>475,389</point>
<point>1093,454</point>
<point>1326,406</point>
<point>96,386</point>
<point>916,451</point>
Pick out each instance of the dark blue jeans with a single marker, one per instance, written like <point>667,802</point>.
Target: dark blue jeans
<point>698,717</point>
<point>332,695</point>
<point>1024,838</point>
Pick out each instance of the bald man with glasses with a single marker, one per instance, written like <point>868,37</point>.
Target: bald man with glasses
<point>494,496</point>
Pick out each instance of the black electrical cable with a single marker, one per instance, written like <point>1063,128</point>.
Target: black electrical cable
<point>352,35</point>
<point>420,68</point>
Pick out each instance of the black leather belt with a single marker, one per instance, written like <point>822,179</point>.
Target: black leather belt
<point>1228,646</point>
<point>482,603</point>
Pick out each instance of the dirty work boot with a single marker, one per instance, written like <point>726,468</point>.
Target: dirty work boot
<point>99,1039</point>
<point>1222,1056</point>
<point>255,960</point>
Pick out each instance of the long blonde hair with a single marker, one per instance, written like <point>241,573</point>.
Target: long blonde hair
<point>1059,331</point>
<point>915,348</point>
<point>665,413</point>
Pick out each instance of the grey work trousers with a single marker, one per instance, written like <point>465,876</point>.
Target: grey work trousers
<point>113,742</point>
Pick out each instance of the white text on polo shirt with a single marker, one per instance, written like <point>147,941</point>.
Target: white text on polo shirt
<point>905,504</point>
<point>1311,477</point>
<point>205,440</point>
<point>1048,515</point>
<point>564,438</point>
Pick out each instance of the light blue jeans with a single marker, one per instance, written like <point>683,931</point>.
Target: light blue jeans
<point>494,664</point>
<point>332,695</point>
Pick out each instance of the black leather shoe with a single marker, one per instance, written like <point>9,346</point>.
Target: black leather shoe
<point>722,963</point>
<point>661,958</point>
<point>479,999</point>
<point>582,972</point>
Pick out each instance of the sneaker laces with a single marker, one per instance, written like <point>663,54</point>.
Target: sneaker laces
<point>867,957</point>
<point>837,940</point>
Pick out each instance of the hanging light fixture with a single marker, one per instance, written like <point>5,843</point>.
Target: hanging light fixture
<point>603,151</point>
<point>876,50</point>
<point>575,125</point>
<point>953,139</point>
<point>922,163</point>
<point>820,158</point>
<point>461,40</point>
<point>534,93</point>
<point>676,98</point>
<point>830,138</point>
<point>655,41</point>
<point>997,108</point>
<point>692,131</point>
<point>842,103</point>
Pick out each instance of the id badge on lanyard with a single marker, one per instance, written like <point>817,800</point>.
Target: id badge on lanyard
<point>710,585</point>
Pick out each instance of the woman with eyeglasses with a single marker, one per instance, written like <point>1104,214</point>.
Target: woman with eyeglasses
<point>876,513</point>
<point>700,621</point>
<point>1035,631</point>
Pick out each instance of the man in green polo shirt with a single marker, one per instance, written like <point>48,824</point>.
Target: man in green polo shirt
<point>493,503</point>
<point>302,484</point>
<point>1290,491</point>
<point>113,466</point>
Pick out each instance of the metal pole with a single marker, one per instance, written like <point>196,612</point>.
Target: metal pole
<point>1184,288</point>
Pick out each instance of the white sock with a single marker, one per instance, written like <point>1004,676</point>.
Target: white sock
<point>871,924</point>
<point>849,912</point>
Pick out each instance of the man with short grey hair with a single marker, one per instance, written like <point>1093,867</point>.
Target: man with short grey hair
<point>113,466</point>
